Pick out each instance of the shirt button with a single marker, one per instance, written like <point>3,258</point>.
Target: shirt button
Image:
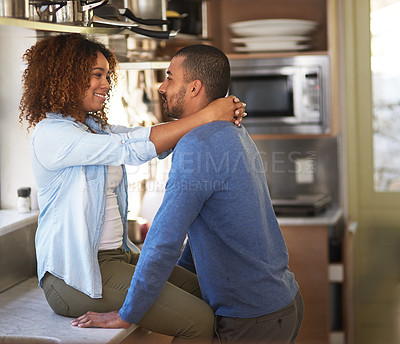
<point>123,142</point>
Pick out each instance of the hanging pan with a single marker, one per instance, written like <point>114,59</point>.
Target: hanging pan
<point>110,15</point>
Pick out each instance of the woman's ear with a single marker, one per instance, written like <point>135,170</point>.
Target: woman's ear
<point>196,87</point>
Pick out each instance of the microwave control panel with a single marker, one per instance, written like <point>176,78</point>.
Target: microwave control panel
<point>311,98</point>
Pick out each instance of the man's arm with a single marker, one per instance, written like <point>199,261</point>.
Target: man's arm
<point>181,205</point>
<point>186,259</point>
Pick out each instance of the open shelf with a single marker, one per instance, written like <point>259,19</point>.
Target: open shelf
<point>53,27</point>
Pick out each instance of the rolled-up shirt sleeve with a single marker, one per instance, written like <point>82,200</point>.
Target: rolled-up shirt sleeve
<point>59,144</point>
<point>121,129</point>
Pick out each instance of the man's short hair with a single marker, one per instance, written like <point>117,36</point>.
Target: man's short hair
<point>209,65</point>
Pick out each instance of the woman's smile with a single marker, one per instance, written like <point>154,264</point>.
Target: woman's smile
<point>102,96</point>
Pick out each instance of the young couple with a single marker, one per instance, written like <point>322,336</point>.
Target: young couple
<point>232,281</point>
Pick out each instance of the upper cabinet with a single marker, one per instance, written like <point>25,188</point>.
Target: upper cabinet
<point>222,13</point>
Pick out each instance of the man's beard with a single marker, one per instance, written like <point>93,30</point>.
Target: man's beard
<point>176,110</point>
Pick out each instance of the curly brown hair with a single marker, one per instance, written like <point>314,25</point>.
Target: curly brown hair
<point>58,75</point>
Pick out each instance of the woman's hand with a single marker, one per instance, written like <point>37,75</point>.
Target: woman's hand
<point>227,109</point>
<point>165,136</point>
<point>105,320</point>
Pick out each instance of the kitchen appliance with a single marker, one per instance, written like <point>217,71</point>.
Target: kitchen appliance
<point>300,204</point>
<point>14,8</point>
<point>283,95</point>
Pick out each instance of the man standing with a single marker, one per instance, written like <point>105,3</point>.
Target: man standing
<point>217,195</point>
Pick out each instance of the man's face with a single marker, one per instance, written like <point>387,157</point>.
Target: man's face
<point>173,90</point>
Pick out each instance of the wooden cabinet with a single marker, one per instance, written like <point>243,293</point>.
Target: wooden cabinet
<point>321,270</point>
<point>309,261</point>
<point>224,12</point>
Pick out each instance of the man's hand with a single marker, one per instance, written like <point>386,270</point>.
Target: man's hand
<point>105,320</point>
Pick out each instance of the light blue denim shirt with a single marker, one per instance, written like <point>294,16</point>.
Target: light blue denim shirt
<point>70,167</point>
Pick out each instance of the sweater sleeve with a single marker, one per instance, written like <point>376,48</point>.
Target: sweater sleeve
<point>186,259</point>
<point>182,203</point>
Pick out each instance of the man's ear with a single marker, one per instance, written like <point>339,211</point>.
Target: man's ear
<point>197,85</point>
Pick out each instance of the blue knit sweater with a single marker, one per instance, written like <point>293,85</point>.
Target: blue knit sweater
<point>217,195</point>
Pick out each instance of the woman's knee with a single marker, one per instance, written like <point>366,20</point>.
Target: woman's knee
<point>206,325</point>
<point>68,301</point>
<point>181,315</point>
<point>201,325</point>
<point>54,299</point>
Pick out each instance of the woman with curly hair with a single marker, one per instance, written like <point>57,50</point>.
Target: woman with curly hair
<point>85,259</point>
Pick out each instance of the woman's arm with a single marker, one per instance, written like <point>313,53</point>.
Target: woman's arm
<point>165,136</point>
<point>72,146</point>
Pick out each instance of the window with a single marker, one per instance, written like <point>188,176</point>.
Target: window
<point>385,68</point>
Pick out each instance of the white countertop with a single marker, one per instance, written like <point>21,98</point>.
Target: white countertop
<point>10,219</point>
<point>328,217</point>
<point>25,312</point>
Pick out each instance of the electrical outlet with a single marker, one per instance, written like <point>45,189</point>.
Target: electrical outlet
<point>305,170</point>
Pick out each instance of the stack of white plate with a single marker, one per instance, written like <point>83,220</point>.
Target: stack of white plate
<point>265,35</point>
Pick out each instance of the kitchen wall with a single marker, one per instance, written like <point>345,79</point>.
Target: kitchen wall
<point>301,166</point>
<point>15,167</point>
<point>293,166</point>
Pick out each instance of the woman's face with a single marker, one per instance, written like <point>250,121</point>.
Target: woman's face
<point>96,94</point>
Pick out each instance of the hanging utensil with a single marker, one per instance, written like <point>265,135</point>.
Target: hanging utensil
<point>110,15</point>
<point>126,12</point>
<point>86,8</point>
<point>88,5</point>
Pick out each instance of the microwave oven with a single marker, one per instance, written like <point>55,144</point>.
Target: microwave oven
<point>283,95</point>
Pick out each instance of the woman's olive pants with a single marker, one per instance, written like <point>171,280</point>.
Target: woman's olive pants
<point>179,311</point>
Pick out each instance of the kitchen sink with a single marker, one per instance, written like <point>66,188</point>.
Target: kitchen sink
<point>28,340</point>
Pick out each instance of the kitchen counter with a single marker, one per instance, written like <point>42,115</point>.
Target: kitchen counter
<point>328,217</point>
<point>10,220</point>
<point>25,312</point>
<point>17,247</point>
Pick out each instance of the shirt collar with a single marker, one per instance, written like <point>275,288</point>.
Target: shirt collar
<point>91,122</point>
<point>53,115</point>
